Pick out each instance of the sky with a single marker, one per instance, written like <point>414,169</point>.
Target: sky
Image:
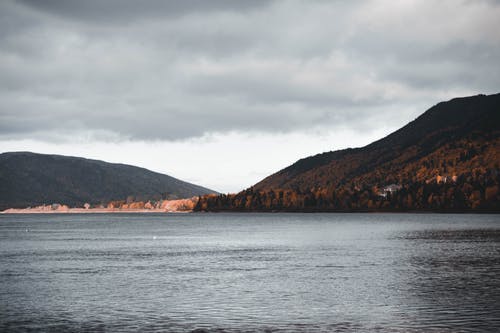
<point>223,93</point>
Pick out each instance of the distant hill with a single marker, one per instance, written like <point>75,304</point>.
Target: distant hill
<point>446,159</point>
<point>29,179</point>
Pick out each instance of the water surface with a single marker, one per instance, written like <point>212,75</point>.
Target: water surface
<point>250,272</point>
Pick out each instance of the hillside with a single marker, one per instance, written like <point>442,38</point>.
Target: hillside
<point>29,179</point>
<point>446,159</point>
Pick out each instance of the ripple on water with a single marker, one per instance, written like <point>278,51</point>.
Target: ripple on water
<point>251,273</point>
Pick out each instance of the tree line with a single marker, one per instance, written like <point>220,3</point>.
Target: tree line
<point>477,190</point>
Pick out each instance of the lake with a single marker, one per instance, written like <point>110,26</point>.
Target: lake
<point>250,272</point>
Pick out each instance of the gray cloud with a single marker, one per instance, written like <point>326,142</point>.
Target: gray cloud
<point>124,11</point>
<point>173,70</point>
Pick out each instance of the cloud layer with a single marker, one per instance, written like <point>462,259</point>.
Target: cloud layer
<point>172,70</point>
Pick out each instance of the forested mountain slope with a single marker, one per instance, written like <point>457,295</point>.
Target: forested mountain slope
<point>446,159</point>
<point>29,179</point>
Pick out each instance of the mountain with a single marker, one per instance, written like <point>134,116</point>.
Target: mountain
<point>29,179</point>
<point>469,119</point>
<point>446,159</point>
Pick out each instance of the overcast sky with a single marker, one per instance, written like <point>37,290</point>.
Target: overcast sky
<point>223,93</point>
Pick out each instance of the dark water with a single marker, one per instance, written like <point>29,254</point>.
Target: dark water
<point>250,272</point>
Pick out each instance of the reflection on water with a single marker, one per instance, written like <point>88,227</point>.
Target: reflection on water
<point>250,272</point>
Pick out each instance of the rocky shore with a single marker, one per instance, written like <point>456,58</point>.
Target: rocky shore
<point>162,206</point>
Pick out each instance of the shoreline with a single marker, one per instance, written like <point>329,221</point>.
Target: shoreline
<point>163,206</point>
<point>15,211</point>
<point>88,211</point>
